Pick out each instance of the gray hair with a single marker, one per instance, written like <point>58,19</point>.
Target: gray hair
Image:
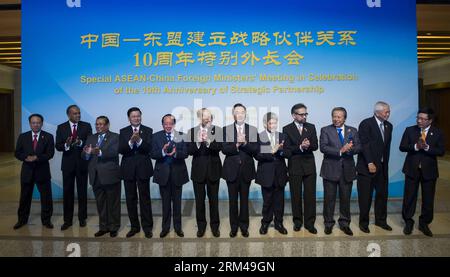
<point>268,116</point>
<point>380,106</point>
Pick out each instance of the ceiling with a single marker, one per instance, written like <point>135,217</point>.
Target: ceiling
<point>433,31</point>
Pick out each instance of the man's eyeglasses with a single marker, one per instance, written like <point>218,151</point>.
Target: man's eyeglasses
<point>302,114</point>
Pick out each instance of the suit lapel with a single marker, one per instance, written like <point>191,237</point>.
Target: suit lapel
<point>295,132</point>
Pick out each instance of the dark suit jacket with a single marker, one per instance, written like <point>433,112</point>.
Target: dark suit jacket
<point>71,159</point>
<point>239,159</point>
<point>373,147</point>
<point>175,169</point>
<point>206,163</point>
<point>300,162</point>
<point>427,159</point>
<point>271,167</point>
<point>334,165</point>
<point>136,164</point>
<point>106,167</point>
<point>45,150</point>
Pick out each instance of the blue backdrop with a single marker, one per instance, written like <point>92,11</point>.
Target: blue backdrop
<point>178,56</point>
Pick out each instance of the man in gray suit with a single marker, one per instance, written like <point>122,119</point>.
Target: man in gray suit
<point>102,152</point>
<point>339,143</point>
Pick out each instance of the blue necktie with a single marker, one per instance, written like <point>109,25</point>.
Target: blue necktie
<point>100,140</point>
<point>341,137</point>
<point>168,137</point>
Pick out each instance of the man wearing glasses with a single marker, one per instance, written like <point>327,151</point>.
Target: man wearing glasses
<point>299,146</point>
<point>423,143</point>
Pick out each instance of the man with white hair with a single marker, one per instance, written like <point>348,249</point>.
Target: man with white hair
<point>375,134</point>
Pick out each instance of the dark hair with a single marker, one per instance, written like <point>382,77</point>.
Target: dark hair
<point>239,105</point>
<point>133,109</point>
<point>70,107</point>
<point>36,115</point>
<point>166,115</point>
<point>105,118</point>
<point>427,110</point>
<point>342,109</point>
<point>296,107</point>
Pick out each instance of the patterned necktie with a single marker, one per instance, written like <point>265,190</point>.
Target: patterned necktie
<point>423,135</point>
<point>100,140</point>
<point>35,142</point>
<point>74,132</point>
<point>341,136</point>
<point>382,130</point>
<point>135,130</point>
<point>168,136</point>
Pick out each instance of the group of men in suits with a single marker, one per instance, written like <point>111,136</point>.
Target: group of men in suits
<point>97,156</point>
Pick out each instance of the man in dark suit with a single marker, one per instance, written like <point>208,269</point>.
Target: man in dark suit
<point>338,143</point>
<point>35,148</point>
<point>300,144</point>
<point>375,134</point>
<point>70,139</point>
<point>239,147</point>
<point>423,143</point>
<point>102,152</point>
<point>271,173</point>
<point>169,150</point>
<point>135,145</point>
<point>205,143</point>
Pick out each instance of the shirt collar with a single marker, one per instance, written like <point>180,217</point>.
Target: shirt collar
<point>38,134</point>
<point>378,121</point>
<point>298,124</point>
<point>72,123</point>
<point>137,127</point>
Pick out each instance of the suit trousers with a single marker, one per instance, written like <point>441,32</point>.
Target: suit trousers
<point>200,191</point>
<point>308,194</point>
<point>26,195</point>
<point>108,205</point>
<point>135,191</point>
<point>428,188</point>
<point>345,190</point>
<point>69,179</point>
<point>273,204</point>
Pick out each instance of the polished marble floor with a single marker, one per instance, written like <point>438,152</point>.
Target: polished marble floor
<point>34,240</point>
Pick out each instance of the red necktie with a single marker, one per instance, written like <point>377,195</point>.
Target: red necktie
<point>74,132</point>
<point>35,142</point>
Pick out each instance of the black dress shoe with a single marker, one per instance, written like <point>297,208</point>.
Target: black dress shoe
<point>425,230</point>
<point>179,233</point>
<point>163,233</point>
<point>407,230</point>
<point>364,229</point>
<point>113,234</point>
<point>200,233</point>
<point>297,227</point>
<point>263,229</point>
<point>148,234</point>
<point>48,225</point>
<point>82,223</point>
<point>384,226</point>
<point>280,228</point>
<point>328,230</point>
<point>65,226</point>
<point>101,233</point>
<point>19,224</point>
<point>233,233</point>
<point>312,230</point>
<point>245,233</point>
<point>216,233</point>
<point>131,233</point>
<point>347,230</point>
